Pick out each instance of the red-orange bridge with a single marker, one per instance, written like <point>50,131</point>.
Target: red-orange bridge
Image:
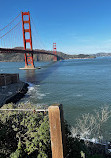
<point>28,50</point>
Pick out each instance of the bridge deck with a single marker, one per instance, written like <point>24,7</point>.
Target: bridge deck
<point>9,50</point>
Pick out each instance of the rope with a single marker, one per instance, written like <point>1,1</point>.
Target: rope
<point>10,23</point>
<point>10,30</point>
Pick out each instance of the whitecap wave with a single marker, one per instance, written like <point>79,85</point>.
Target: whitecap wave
<point>30,85</point>
<point>77,95</point>
<point>31,88</point>
<point>40,95</point>
<point>33,95</point>
<point>34,92</point>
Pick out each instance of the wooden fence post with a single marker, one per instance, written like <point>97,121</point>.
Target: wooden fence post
<point>57,131</point>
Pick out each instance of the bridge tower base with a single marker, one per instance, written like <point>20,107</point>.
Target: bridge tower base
<point>54,52</point>
<point>27,40</point>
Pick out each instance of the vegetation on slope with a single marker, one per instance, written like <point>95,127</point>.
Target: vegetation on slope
<point>27,135</point>
<point>24,134</point>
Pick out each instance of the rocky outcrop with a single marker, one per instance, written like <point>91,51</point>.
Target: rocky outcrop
<point>12,92</point>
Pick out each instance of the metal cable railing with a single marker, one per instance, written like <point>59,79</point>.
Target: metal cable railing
<point>34,110</point>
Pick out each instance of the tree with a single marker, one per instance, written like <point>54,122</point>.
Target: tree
<point>91,125</point>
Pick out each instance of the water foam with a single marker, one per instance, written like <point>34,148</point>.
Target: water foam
<point>34,92</point>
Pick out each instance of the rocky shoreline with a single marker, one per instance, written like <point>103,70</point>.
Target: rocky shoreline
<point>13,92</point>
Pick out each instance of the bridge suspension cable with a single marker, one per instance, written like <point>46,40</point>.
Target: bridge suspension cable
<point>10,22</point>
<point>38,36</point>
<point>10,34</point>
<point>11,29</point>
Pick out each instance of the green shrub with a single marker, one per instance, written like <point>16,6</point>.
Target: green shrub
<point>27,135</point>
<point>29,132</point>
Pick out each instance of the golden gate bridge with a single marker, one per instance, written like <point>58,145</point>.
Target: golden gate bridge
<point>9,34</point>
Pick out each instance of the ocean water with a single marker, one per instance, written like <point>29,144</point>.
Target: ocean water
<point>81,85</point>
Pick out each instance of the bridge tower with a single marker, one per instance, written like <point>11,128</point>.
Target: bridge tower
<point>27,40</point>
<point>54,52</point>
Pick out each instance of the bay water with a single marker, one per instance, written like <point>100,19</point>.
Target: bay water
<point>81,85</point>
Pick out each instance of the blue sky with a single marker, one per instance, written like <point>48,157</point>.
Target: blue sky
<point>77,26</point>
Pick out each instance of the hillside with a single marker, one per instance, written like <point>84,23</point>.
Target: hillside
<point>40,57</point>
<point>102,54</point>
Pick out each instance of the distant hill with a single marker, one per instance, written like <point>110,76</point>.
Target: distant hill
<point>102,54</point>
<point>40,57</point>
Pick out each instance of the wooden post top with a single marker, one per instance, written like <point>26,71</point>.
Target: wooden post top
<point>56,121</point>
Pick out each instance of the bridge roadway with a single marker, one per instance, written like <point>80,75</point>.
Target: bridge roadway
<point>13,50</point>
